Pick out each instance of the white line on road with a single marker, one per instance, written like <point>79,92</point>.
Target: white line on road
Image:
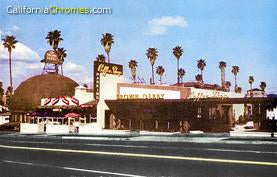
<point>117,145</point>
<point>101,172</point>
<point>233,150</point>
<point>73,169</point>
<point>16,162</point>
<point>34,142</point>
<point>105,145</point>
<point>248,162</point>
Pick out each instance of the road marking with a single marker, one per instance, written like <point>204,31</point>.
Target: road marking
<point>73,169</point>
<point>101,172</point>
<point>145,155</point>
<point>33,142</point>
<point>22,163</point>
<point>107,145</point>
<point>117,145</point>
<point>233,150</point>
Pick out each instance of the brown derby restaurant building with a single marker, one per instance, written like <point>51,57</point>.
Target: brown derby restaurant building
<point>183,107</point>
<point>170,108</point>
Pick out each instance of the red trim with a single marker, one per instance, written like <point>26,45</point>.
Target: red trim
<point>56,100</point>
<point>47,101</point>
<point>65,101</point>
<point>74,100</point>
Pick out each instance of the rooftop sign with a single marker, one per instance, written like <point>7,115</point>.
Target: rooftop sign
<point>51,57</point>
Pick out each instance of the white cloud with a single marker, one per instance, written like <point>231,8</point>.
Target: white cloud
<point>21,53</point>
<point>16,28</point>
<point>76,72</point>
<point>158,26</point>
<point>25,63</point>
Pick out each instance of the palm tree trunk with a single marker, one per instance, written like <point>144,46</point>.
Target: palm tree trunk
<point>108,54</point>
<point>161,79</point>
<point>10,64</point>
<point>251,92</point>
<point>235,80</point>
<point>62,69</point>
<point>178,78</point>
<point>222,77</point>
<point>153,74</point>
<point>201,75</point>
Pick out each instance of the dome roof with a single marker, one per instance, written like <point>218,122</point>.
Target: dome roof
<point>29,93</point>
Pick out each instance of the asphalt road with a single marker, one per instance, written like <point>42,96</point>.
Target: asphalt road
<point>35,156</point>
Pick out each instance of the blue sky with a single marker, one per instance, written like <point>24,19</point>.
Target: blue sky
<point>240,32</point>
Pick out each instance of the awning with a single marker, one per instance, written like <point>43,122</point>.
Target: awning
<point>73,115</point>
<point>89,104</point>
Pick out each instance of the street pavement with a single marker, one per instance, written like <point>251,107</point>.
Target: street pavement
<point>57,156</point>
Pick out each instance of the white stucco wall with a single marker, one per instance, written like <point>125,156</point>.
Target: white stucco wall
<point>108,91</point>
<point>31,128</point>
<point>88,128</point>
<point>59,129</point>
<point>4,119</point>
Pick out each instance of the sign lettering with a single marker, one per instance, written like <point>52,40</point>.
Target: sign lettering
<point>104,69</point>
<point>142,96</point>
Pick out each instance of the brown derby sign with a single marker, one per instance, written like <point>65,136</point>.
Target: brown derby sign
<point>104,68</point>
<point>51,57</point>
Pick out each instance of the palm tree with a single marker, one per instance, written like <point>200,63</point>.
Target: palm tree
<point>8,94</point>
<point>160,71</point>
<point>251,80</point>
<point>1,92</point>
<point>201,65</point>
<point>235,71</point>
<point>198,77</point>
<point>152,55</point>
<point>107,41</point>
<point>263,86</point>
<point>54,38</point>
<point>227,86</point>
<point>239,90</point>
<point>178,52</point>
<point>61,55</point>
<point>9,43</point>
<point>222,66</point>
<point>181,73</point>
<point>133,66</point>
<point>101,58</point>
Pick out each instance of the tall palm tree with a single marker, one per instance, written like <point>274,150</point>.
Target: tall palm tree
<point>250,81</point>
<point>61,55</point>
<point>152,55</point>
<point>235,71</point>
<point>101,58</point>
<point>54,38</point>
<point>201,65</point>
<point>222,66</point>
<point>160,71</point>
<point>263,86</point>
<point>1,92</point>
<point>181,73</point>
<point>133,66</point>
<point>9,43</point>
<point>227,86</point>
<point>178,52</point>
<point>107,41</point>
